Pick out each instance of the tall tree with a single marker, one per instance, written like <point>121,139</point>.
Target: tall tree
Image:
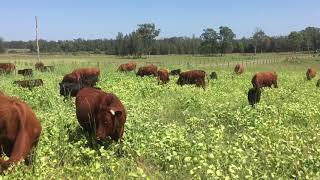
<point>295,40</point>
<point>147,33</point>
<point>2,50</point>
<point>258,38</point>
<point>120,44</point>
<point>226,37</point>
<point>311,37</point>
<point>209,41</point>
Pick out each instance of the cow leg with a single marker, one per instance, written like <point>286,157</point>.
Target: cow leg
<point>21,150</point>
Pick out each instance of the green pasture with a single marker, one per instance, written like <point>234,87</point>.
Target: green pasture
<point>175,132</point>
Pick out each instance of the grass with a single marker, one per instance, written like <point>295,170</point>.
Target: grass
<point>175,132</point>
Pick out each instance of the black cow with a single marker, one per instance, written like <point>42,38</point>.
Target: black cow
<point>213,75</point>
<point>175,72</point>
<point>25,72</point>
<point>254,95</point>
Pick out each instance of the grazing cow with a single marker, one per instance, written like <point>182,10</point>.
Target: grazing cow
<point>25,72</point>
<point>239,69</point>
<point>29,83</point>
<point>213,75</point>
<point>47,69</point>
<point>193,77</point>
<point>100,113</point>
<point>254,95</point>
<point>264,79</point>
<point>7,68</point>
<point>79,78</point>
<point>311,73</point>
<point>175,72</point>
<point>163,76</point>
<point>39,66</point>
<point>19,131</point>
<point>147,70</point>
<point>130,66</point>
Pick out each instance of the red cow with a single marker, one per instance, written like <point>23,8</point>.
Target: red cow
<point>88,76</point>
<point>163,76</point>
<point>147,70</point>
<point>311,73</point>
<point>100,113</point>
<point>264,79</point>
<point>127,67</point>
<point>239,69</point>
<point>193,77</point>
<point>19,131</point>
<point>7,68</point>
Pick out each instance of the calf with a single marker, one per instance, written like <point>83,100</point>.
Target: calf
<point>264,79</point>
<point>25,72</point>
<point>175,72</point>
<point>130,66</point>
<point>239,69</point>
<point>147,70</point>
<point>39,66</point>
<point>163,76</point>
<point>100,113</point>
<point>192,77</point>
<point>29,83</point>
<point>254,95</point>
<point>213,75</point>
<point>19,131</point>
<point>311,73</point>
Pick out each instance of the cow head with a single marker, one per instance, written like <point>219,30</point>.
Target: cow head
<point>108,121</point>
<point>69,89</point>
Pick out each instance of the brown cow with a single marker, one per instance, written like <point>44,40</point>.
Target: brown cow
<point>239,69</point>
<point>100,113</point>
<point>193,77</point>
<point>19,131</point>
<point>127,67</point>
<point>39,66</point>
<point>147,70</point>
<point>79,78</point>
<point>29,83</point>
<point>87,76</point>
<point>163,76</point>
<point>311,73</point>
<point>264,79</point>
<point>7,68</point>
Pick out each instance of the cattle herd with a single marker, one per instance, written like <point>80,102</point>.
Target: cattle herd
<point>101,114</point>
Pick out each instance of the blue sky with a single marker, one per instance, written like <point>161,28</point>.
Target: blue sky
<point>63,19</point>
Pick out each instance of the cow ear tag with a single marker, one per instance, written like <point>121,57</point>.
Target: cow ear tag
<point>112,112</point>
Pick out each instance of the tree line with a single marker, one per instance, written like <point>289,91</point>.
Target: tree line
<point>143,41</point>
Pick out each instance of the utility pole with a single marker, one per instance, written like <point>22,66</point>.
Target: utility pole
<point>38,52</point>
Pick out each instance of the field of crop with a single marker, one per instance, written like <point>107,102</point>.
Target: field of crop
<point>175,132</point>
